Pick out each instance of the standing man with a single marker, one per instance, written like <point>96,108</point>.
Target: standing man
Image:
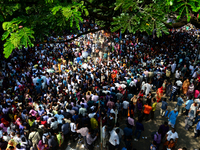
<point>104,135</point>
<point>90,140</point>
<point>153,108</point>
<point>174,92</point>
<point>179,104</point>
<point>163,107</point>
<point>187,105</point>
<point>83,131</point>
<point>172,117</point>
<point>147,111</point>
<point>125,107</point>
<point>34,137</point>
<point>114,139</point>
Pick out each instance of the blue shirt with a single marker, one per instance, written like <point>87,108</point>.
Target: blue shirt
<point>188,104</point>
<point>164,105</point>
<point>59,117</point>
<point>180,101</point>
<point>198,126</point>
<point>139,126</point>
<point>128,131</point>
<point>172,117</point>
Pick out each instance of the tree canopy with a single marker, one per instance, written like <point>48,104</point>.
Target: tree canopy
<point>25,20</point>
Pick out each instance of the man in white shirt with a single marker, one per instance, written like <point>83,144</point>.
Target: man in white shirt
<point>104,135</point>
<point>173,67</point>
<point>114,139</point>
<point>177,74</point>
<point>172,134</point>
<point>54,124</point>
<point>125,107</point>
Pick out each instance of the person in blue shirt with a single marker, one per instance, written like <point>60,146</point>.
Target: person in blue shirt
<point>163,107</point>
<point>172,117</point>
<point>138,130</point>
<point>197,133</point>
<point>179,104</point>
<point>38,88</point>
<point>60,118</point>
<point>187,105</point>
<point>128,131</point>
<point>39,81</point>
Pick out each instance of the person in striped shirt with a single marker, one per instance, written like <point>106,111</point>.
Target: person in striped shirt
<point>174,92</point>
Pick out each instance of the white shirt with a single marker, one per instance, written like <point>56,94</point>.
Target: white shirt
<point>125,104</point>
<point>104,132</point>
<point>177,75</point>
<point>179,83</point>
<point>114,138</point>
<point>171,135</point>
<point>173,67</point>
<point>54,125</point>
<point>73,127</point>
<point>91,115</point>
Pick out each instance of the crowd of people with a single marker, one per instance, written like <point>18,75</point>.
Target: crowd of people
<point>52,93</point>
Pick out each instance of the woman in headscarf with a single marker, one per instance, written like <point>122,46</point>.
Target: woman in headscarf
<point>185,86</point>
<point>159,94</point>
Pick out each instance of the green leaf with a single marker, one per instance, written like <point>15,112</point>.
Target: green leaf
<point>8,48</point>
<point>56,9</point>
<point>5,35</point>
<point>5,25</point>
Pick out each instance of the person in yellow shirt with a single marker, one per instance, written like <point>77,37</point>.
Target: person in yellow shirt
<point>31,121</point>
<point>94,123</point>
<point>154,104</point>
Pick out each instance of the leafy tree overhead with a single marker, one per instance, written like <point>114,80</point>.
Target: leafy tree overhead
<point>24,21</point>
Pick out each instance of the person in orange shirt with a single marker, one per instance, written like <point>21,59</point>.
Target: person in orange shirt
<point>146,112</point>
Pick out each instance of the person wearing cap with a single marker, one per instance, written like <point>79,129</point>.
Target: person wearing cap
<point>172,117</point>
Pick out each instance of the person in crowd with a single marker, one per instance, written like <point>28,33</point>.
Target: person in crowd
<point>146,112</point>
<point>179,104</point>
<point>187,105</point>
<point>172,117</point>
<point>171,134</point>
<point>114,139</point>
<point>90,138</point>
<point>197,130</point>
<point>164,128</point>
<point>154,104</point>
<point>138,130</point>
<point>163,107</point>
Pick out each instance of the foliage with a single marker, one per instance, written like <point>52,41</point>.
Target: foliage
<point>22,20</point>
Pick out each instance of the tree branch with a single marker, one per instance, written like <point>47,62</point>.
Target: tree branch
<point>183,22</point>
<point>96,6</point>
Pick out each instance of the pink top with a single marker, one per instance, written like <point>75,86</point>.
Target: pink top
<point>196,93</point>
<point>4,129</point>
<point>33,112</point>
<point>131,121</point>
<point>18,121</point>
<point>40,145</point>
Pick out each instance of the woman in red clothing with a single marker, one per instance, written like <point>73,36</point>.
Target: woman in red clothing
<point>159,94</point>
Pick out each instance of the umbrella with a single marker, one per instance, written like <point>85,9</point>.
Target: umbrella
<point>85,54</point>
